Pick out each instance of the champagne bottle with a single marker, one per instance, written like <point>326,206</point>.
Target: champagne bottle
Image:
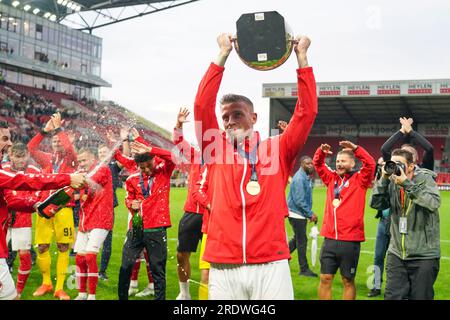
<point>50,206</point>
<point>137,225</point>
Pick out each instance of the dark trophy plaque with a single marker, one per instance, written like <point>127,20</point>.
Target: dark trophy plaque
<point>263,41</point>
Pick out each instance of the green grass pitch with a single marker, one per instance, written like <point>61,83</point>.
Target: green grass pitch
<point>305,288</point>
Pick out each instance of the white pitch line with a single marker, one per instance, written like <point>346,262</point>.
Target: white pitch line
<point>370,238</point>
<point>371,252</point>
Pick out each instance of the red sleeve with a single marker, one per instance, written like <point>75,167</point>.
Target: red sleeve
<point>127,162</point>
<point>42,158</point>
<point>324,172</point>
<point>22,181</point>
<point>294,137</point>
<point>70,154</point>
<point>188,151</point>
<point>131,193</point>
<point>143,141</point>
<point>367,171</point>
<point>200,191</point>
<point>100,179</point>
<point>165,155</point>
<point>22,203</point>
<point>205,103</point>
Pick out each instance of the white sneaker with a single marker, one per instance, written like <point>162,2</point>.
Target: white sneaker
<point>183,297</point>
<point>146,292</point>
<point>81,296</point>
<point>132,291</point>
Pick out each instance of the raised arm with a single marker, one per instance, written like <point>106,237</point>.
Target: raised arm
<point>205,100</point>
<point>294,137</point>
<point>185,148</point>
<point>42,158</point>
<point>428,158</point>
<point>324,172</point>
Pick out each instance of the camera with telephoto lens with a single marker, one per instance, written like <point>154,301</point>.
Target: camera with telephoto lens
<point>391,167</point>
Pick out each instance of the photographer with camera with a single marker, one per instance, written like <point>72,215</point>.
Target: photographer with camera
<point>413,198</point>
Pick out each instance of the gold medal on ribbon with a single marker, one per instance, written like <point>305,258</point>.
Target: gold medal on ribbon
<point>253,188</point>
<point>336,203</point>
<point>84,197</point>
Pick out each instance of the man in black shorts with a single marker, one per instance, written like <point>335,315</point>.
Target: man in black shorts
<point>190,227</point>
<point>343,221</point>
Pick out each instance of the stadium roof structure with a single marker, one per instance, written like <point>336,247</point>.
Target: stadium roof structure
<point>368,102</point>
<point>87,15</point>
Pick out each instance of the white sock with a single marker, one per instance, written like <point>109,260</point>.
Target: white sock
<point>151,285</point>
<point>184,288</point>
<point>133,284</point>
<point>91,297</point>
<point>82,295</point>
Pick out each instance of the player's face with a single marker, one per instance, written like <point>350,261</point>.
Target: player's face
<point>344,163</point>
<point>56,144</point>
<point>5,140</point>
<point>308,166</point>
<point>85,161</point>
<point>19,160</point>
<point>146,167</point>
<point>238,119</point>
<point>103,153</point>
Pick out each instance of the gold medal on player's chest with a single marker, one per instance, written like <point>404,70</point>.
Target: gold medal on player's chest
<point>253,188</point>
<point>84,197</point>
<point>336,203</point>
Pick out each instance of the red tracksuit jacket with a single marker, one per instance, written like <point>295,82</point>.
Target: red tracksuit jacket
<point>155,209</point>
<point>194,158</point>
<point>200,195</point>
<point>346,222</point>
<point>22,181</point>
<point>97,211</point>
<point>244,228</point>
<point>21,202</point>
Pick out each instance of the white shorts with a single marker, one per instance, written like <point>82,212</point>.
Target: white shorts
<point>7,287</point>
<point>20,238</point>
<point>264,281</point>
<point>90,241</point>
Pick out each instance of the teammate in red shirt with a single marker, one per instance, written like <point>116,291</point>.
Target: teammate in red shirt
<point>96,220</point>
<point>20,205</point>
<point>190,226</point>
<point>343,221</point>
<point>18,182</point>
<point>148,201</point>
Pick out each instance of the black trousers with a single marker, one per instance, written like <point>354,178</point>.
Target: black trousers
<point>156,244</point>
<point>106,252</point>
<point>410,279</point>
<point>299,241</point>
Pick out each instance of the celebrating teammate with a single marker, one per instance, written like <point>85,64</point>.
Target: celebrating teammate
<point>18,182</point>
<point>62,160</point>
<point>246,243</point>
<point>96,220</point>
<point>343,221</point>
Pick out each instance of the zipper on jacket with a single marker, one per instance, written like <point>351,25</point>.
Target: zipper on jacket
<point>403,247</point>
<point>335,223</point>
<point>244,225</point>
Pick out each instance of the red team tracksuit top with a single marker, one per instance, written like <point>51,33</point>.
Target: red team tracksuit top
<point>154,209</point>
<point>244,228</point>
<point>97,211</point>
<point>19,182</point>
<point>200,195</point>
<point>21,202</point>
<point>346,222</point>
<point>194,158</point>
